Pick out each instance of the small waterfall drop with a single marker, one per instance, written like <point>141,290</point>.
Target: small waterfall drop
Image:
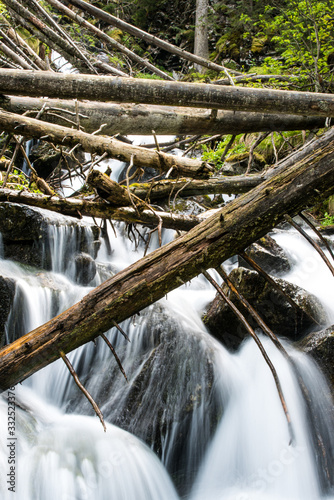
<point>213,418</point>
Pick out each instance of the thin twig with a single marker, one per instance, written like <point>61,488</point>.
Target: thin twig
<point>260,346</point>
<point>252,311</point>
<point>258,141</point>
<point>312,226</point>
<point>82,388</point>
<point>115,355</point>
<point>270,280</point>
<point>121,330</point>
<point>310,240</point>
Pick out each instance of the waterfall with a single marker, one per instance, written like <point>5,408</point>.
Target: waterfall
<point>193,421</point>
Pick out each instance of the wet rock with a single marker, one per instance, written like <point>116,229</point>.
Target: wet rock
<point>284,319</point>
<point>85,268</point>
<point>321,347</point>
<point>31,235</point>
<point>7,292</point>
<point>269,255</point>
<point>46,159</point>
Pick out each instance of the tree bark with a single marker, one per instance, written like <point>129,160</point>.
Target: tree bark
<point>185,187</point>
<point>142,119</point>
<point>116,194</point>
<point>201,47</point>
<point>164,162</point>
<point>78,208</point>
<point>128,28</point>
<point>226,233</point>
<point>135,90</point>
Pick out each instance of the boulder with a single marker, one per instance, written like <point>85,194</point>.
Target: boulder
<point>320,345</point>
<point>85,268</point>
<point>284,319</point>
<point>268,255</point>
<point>31,235</point>
<point>7,292</point>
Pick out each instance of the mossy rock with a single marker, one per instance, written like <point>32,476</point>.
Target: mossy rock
<point>258,45</point>
<point>279,315</point>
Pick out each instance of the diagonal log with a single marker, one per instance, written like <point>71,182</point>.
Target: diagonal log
<point>142,119</point>
<point>222,235</point>
<point>164,162</point>
<point>107,39</point>
<point>151,39</point>
<point>166,93</point>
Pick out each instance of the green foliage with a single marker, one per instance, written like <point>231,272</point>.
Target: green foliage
<point>303,34</point>
<point>214,155</point>
<point>328,220</point>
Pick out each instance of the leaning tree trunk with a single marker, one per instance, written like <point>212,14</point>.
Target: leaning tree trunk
<point>229,231</point>
<point>196,95</point>
<point>141,157</point>
<point>141,119</point>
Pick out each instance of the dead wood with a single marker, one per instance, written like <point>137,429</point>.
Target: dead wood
<point>135,90</point>
<point>78,208</point>
<point>142,119</point>
<point>151,39</point>
<point>226,233</point>
<point>163,162</point>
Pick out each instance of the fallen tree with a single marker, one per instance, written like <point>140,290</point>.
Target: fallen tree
<point>99,209</point>
<point>164,162</point>
<point>135,90</point>
<point>153,191</point>
<point>222,235</point>
<point>142,119</point>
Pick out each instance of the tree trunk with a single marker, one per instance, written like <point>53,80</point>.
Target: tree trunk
<point>99,209</point>
<point>164,162</point>
<point>141,119</point>
<point>201,47</point>
<point>151,39</point>
<point>226,233</point>
<point>186,187</point>
<point>196,95</point>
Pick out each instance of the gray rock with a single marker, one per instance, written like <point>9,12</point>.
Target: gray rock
<point>321,347</point>
<point>7,292</point>
<point>85,268</point>
<point>29,233</point>
<point>284,319</point>
<point>269,255</point>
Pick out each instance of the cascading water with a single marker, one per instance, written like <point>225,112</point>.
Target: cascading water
<point>213,418</point>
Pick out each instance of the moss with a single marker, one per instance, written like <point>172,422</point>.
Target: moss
<point>258,44</point>
<point>116,34</point>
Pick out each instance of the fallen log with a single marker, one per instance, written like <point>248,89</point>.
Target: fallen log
<point>135,90</point>
<point>164,162</point>
<point>78,208</point>
<point>142,119</point>
<point>153,191</point>
<point>222,235</point>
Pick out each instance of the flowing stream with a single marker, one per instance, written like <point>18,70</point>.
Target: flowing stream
<point>213,418</point>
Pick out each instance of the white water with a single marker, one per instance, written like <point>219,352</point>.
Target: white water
<point>182,384</point>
